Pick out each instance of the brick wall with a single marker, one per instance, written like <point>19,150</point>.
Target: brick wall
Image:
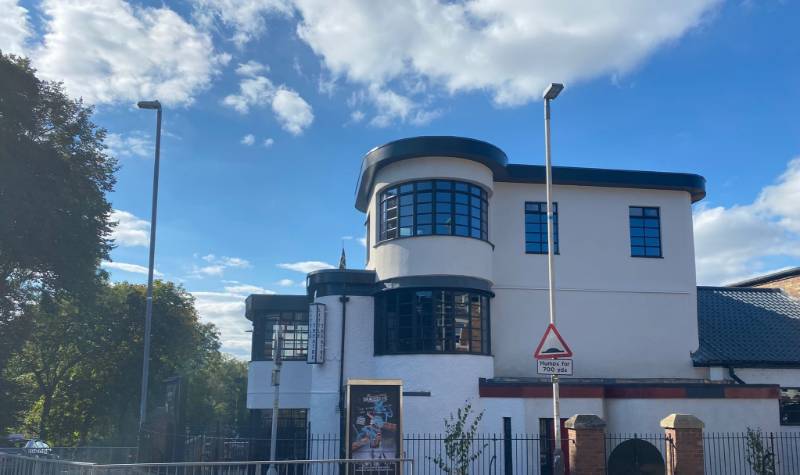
<point>790,285</point>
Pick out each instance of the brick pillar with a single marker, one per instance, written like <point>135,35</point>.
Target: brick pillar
<point>587,444</point>
<point>684,434</point>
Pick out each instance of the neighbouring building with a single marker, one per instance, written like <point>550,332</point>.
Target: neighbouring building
<point>787,280</point>
<point>453,301</point>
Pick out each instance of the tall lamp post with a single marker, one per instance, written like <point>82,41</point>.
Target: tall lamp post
<point>148,316</point>
<point>551,93</point>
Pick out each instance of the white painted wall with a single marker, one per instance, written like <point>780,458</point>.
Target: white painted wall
<point>295,385</point>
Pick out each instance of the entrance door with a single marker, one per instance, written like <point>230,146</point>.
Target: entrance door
<point>546,438</point>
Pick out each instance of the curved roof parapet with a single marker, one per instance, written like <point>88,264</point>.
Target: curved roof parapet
<point>425,146</point>
<point>497,161</point>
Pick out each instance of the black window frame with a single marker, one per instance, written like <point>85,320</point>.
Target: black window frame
<point>541,216</point>
<point>295,335</point>
<point>638,233</point>
<point>406,324</point>
<point>432,207</point>
<point>292,434</point>
<point>794,413</point>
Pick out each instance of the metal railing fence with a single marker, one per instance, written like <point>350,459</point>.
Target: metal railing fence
<point>20,465</point>
<point>758,453</point>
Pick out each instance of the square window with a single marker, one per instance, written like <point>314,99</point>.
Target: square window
<point>645,231</point>
<point>536,227</point>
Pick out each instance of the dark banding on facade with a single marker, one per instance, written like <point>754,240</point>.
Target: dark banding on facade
<point>497,161</point>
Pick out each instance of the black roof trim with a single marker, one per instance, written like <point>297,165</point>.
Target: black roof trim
<point>257,304</point>
<point>326,282</point>
<point>425,146</point>
<point>497,161</point>
<point>767,278</point>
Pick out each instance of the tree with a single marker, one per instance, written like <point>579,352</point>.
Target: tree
<point>54,176</point>
<point>84,359</point>
<point>460,434</point>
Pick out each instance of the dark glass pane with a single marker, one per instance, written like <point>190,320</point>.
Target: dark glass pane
<point>462,231</point>
<point>651,211</point>
<point>534,218</point>
<point>653,252</point>
<point>637,241</point>
<point>476,191</point>
<point>390,192</point>
<point>406,210</point>
<point>476,201</point>
<point>651,223</point>
<point>462,209</point>
<point>637,222</point>
<point>533,247</point>
<point>407,188</point>
<point>443,196</point>
<point>425,208</point>
<point>635,211</point>
<point>423,229</point>
<point>461,186</point>
<point>444,208</point>
<point>406,221</point>
<point>424,185</point>
<point>462,220</point>
<point>476,233</point>
<point>462,198</point>
<point>406,199</point>
<point>637,251</point>
<point>442,229</point>
<point>637,232</point>
<point>476,223</point>
<point>443,218</point>
<point>444,185</point>
<point>424,219</point>
<point>392,213</point>
<point>653,242</point>
<point>391,203</point>
<point>648,232</point>
<point>424,197</point>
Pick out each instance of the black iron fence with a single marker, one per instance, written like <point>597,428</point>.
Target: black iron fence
<point>752,453</point>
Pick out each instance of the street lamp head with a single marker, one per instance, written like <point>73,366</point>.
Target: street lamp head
<point>149,105</point>
<point>552,90</point>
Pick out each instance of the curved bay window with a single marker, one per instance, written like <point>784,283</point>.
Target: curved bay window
<point>432,321</point>
<point>441,207</point>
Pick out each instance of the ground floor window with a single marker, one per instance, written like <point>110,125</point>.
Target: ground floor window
<point>292,442</point>
<point>790,406</point>
<point>432,321</point>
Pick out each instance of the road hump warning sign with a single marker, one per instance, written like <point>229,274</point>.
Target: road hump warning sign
<point>552,345</point>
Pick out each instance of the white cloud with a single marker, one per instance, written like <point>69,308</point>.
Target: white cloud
<point>357,116</point>
<point>738,242</point>
<point>305,266</point>
<point>246,18</point>
<point>269,142</point>
<point>14,27</point>
<point>292,111</point>
<point>127,267</point>
<point>130,230</point>
<point>134,144</point>
<point>108,51</point>
<point>217,265</point>
<point>248,139</point>
<point>255,90</point>
<point>363,241</point>
<point>247,289</point>
<point>509,48</point>
<point>226,311</point>
<point>288,283</point>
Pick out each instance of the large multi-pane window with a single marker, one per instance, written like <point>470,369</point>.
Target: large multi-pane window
<point>292,432</point>
<point>295,335</point>
<point>645,227</point>
<point>536,227</point>
<point>432,321</point>
<point>443,207</point>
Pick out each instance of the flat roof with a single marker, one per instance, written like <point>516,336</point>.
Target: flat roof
<point>496,160</point>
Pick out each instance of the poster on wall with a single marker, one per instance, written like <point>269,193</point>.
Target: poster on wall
<point>374,424</point>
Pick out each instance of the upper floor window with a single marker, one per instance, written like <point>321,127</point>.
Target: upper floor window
<point>442,207</point>
<point>431,321</point>
<point>645,226</point>
<point>536,227</point>
<point>295,335</point>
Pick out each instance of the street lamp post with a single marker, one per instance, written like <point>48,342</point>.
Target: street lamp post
<point>148,316</point>
<point>551,93</point>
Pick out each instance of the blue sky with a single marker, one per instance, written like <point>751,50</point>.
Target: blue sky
<point>270,105</point>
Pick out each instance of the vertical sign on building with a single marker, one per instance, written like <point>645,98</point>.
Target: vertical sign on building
<point>374,425</point>
<point>316,333</point>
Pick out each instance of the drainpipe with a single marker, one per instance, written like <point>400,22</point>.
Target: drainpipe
<point>342,416</point>
<point>733,376</point>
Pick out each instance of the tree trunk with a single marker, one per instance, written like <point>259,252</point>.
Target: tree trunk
<point>48,402</point>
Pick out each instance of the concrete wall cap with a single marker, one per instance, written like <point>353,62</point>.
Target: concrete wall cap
<point>584,421</point>
<point>681,421</point>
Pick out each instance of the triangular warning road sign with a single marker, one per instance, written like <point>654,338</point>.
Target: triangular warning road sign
<point>552,345</point>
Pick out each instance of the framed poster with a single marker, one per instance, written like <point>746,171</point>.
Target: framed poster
<point>374,423</point>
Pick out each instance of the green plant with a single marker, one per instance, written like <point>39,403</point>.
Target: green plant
<point>460,434</point>
<point>760,458</point>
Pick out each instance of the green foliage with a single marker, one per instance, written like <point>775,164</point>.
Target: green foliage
<point>760,458</point>
<point>54,176</point>
<point>458,442</point>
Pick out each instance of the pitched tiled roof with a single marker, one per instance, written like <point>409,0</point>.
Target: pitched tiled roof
<point>747,327</point>
<point>767,278</point>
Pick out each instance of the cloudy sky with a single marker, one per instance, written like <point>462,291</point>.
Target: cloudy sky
<point>270,105</point>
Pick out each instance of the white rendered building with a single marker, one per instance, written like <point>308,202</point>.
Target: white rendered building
<point>453,302</point>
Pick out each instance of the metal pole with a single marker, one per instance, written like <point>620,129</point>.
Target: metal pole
<point>276,384</point>
<point>148,317</point>
<point>558,456</point>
